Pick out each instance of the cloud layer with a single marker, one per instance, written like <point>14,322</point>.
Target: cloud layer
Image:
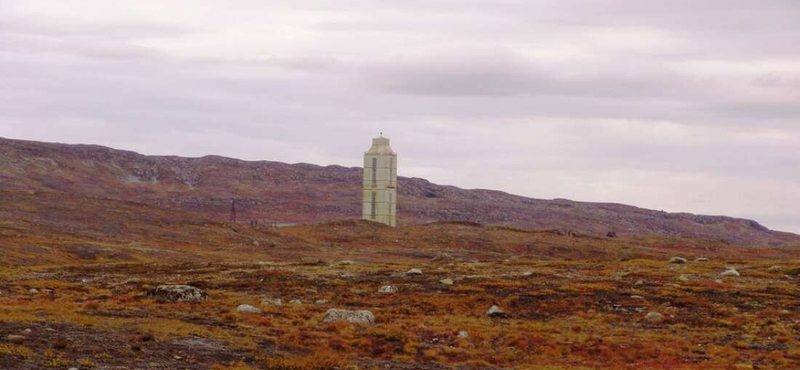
<point>673,105</point>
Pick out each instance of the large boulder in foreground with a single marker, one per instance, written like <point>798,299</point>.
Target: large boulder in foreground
<point>178,293</point>
<point>355,317</point>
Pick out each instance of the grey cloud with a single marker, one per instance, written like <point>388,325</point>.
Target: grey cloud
<point>678,105</point>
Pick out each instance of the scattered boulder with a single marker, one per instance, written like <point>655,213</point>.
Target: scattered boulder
<point>774,268</point>
<point>388,289</point>
<point>414,272</point>
<point>730,272</point>
<point>321,301</point>
<point>272,302</point>
<point>683,278</point>
<point>33,291</point>
<point>447,281</point>
<point>246,308</point>
<point>15,339</point>
<point>637,297</point>
<point>495,311</point>
<point>701,259</point>
<point>354,317</point>
<point>654,318</point>
<point>638,283</point>
<point>528,273</point>
<point>346,263</point>
<point>178,293</point>
<point>295,302</point>
<point>678,260</point>
<point>611,234</point>
<point>463,334</point>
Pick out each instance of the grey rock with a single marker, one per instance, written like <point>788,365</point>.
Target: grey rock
<point>246,308</point>
<point>678,260</point>
<point>730,272</point>
<point>355,317</point>
<point>414,272</point>
<point>654,318</point>
<point>463,334</point>
<point>272,302</point>
<point>495,311</point>
<point>387,289</point>
<point>178,293</point>
<point>447,281</point>
<point>295,302</point>
<point>33,291</point>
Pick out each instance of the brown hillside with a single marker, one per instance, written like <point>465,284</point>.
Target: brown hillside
<point>299,193</point>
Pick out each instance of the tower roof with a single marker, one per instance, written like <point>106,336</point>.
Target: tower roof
<point>380,145</point>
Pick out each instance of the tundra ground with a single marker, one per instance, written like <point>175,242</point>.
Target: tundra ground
<point>559,315</point>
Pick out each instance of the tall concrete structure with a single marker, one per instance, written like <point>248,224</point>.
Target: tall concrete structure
<point>380,183</point>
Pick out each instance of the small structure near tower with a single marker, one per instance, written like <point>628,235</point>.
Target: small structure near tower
<point>380,183</point>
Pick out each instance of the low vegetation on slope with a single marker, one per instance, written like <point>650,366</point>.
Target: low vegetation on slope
<point>278,192</point>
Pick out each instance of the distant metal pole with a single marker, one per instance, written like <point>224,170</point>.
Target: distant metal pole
<point>233,210</point>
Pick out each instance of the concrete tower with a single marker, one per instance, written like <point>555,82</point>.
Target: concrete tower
<point>380,183</point>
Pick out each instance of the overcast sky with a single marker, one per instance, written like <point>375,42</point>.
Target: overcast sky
<point>677,105</point>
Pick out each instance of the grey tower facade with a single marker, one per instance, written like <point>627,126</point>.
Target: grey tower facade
<point>380,183</point>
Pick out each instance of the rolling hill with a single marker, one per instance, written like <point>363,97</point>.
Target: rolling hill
<point>274,192</point>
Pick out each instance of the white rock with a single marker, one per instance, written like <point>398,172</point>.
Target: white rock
<point>246,308</point>
<point>774,268</point>
<point>730,272</point>
<point>494,311</point>
<point>447,281</point>
<point>638,283</point>
<point>414,272</point>
<point>527,273</point>
<point>701,259</point>
<point>295,302</point>
<point>654,318</point>
<point>272,302</point>
<point>388,289</point>
<point>677,259</point>
<point>637,297</point>
<point>355,317</point>
<point>321,301</point>
<point>346,263</point>
<point>33,291</point>
<point>683,278</point>
<point>463,334</point>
